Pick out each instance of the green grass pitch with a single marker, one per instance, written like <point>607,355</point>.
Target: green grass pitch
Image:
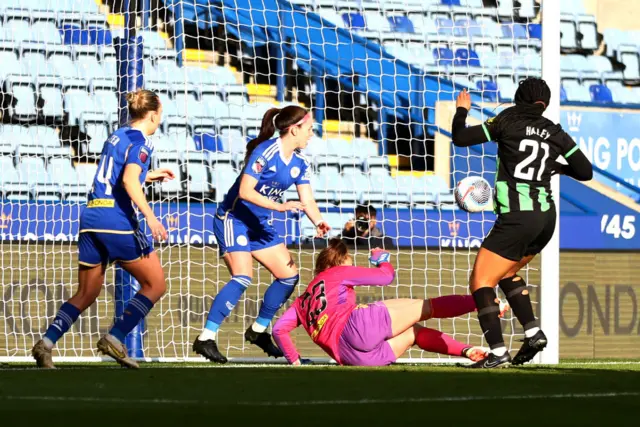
<point>573,393</point>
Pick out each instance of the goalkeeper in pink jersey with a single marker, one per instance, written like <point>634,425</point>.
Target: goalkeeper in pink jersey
<point>367,335</point>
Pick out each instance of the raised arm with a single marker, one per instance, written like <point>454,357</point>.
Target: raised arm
<point>579,167</point>
<point>461,135</point>
<point>382,275</point>
<point>281,330</point>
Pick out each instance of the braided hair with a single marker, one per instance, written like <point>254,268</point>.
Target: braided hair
<point>533,91</point>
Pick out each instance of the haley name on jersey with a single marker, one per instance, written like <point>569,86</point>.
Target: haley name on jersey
<point>528,148</point>
<point>109,207</point>
<point>274,174</point>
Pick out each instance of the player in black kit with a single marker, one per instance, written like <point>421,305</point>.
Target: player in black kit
<point>529,146</point>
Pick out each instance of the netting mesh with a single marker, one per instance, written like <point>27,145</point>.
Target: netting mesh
<point>382,139</point>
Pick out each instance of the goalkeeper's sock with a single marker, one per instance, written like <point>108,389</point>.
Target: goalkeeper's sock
<point>222,305</point>
<point>137,308</point>
<point>515,289</point>
<point>277,294</point>
<point>488,310</point>
<point>66,316</point>
<point>438,342</point>
<point>451,306</point>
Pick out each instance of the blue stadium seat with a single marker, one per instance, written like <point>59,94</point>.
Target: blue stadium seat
<point>107,101</point>
<point>198,177</point>
<point>443,56</point>
<point>445,26</point>
<point>100,35</point>
<point>575,91</point>
<point>354,21</point>
<point>467,58</point>
<point>90,68</point>
<point>199,76</point>
<point>450,2</point>
<point>152,39</point>
<point>535,31</point>
<point>601,64</point>
<point>74,34</point>
<point>467,28</point>
<point>589,32</point>
<point>168,71</point>
<point>45,32</point>
<point>401,24</point>
<point>376,22</point>
<point>86,173</point>
<point>9,172</point>
<point>563,94</point>
<point>188,106</point>
<point>53,103</point>
<point>208,141</point>
<point>489,89</point>
<point>32,170</point>
<point>24,93</point>
<point>568,38</point>
<point>600,94</point>
<point>170,161</point>
<point>64,66</point>
<point>36,64</point>
<point>628,55</point>
<point>223,75</point>
<point>18,30</point>
<point>46,136</point>
<point>514,31</point>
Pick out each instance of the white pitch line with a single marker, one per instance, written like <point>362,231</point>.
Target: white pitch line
<point>119,400</point>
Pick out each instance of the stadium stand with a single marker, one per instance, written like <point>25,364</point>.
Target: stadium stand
<point>72,81</point>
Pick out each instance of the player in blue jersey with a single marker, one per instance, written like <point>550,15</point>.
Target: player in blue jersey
<point>110,232</point>
<point>243,229</point>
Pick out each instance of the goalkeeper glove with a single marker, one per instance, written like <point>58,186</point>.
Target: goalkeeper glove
<point>378,257</point>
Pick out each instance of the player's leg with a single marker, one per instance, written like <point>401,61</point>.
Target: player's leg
<point>515,288</point>
<point>92,265</point>
<point>405,312</point>
<point>279,262</point>
<point>233,245</point>
<point>488,269</point>
<point>433,341</point>
<point>134,252</point>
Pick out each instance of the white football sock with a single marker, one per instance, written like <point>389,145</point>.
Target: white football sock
<point>258,327</point>
<point>206,335</point>
<point>531,332</point>
<point>500,351</point>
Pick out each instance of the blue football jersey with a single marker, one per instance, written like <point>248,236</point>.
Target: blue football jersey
<point>109,207</point>
<point>274,174</point>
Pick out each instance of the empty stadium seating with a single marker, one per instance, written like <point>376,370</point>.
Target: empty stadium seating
<point>61,55</point>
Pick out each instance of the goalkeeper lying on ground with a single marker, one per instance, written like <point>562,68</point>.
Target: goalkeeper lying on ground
<point>367,335</point>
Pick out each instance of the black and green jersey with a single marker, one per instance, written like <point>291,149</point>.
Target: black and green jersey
<point>528,148</point>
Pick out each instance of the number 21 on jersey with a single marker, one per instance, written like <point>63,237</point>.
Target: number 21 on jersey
<point>523,170</point>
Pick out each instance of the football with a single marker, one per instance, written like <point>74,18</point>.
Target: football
<point>473,194</point>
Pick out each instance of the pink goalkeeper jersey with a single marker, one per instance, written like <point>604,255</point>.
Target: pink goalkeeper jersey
<point>325,307</point>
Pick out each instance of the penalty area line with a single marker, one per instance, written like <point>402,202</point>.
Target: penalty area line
<point>435,399</point>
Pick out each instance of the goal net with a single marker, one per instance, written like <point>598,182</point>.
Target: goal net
<point>380,78</point>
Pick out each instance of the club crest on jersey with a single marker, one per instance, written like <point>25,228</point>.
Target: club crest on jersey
<point>295,172</point>
<point>258,165</point>
<point>143,155</point>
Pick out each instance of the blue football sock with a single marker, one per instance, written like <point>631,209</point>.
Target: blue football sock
<point>66,316</point>
<point>226,300</point>
<point>277,294</point>
<point>137,308</point>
